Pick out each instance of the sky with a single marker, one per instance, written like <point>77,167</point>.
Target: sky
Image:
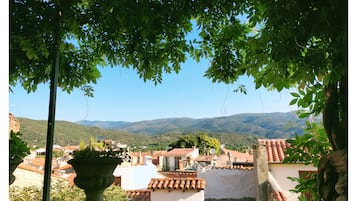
<point>120,95</point>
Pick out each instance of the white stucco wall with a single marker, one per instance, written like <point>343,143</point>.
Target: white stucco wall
<point>195,153</point>
<point>281,171</point>
<point>177,195</point>
<point>228,183</point>
<point>136,177</point>
<point>171,163</point>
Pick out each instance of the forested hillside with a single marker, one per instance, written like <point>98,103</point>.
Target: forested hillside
<point>235,131</point>
<point>68,133</point>
<point>267,125</point>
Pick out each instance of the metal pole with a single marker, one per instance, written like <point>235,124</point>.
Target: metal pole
<point>51,113</point>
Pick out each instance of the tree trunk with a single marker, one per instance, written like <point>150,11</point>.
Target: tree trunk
<point>333,176</point>
<point>332,169</point>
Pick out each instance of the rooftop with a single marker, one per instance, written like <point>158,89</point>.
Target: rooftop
<point>275,149</point>
<point>179,174</point>
<point>180,152</point>
<point>138,195</point>
<point>195,184</point>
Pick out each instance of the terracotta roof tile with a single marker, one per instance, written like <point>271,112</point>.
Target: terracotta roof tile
<point>205,158</point>
<point>71,148</point>
<point>139,195</point>
<point>179,152</point>
<point>195,184</point>
<point>38,161</point>
<point>238,156</point>
<point>279,196</point>
<point>179,174</point>
<point>34,169</point>
<point>67,166</point>
<point>148,153</point>
<point>236,167</point>
<point>275,149</point>
<point>30,168</point>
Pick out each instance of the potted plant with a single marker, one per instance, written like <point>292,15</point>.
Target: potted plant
<point>94,166</point>
<point>18,149</point>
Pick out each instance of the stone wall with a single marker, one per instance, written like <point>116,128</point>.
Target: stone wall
<point>14,123</point>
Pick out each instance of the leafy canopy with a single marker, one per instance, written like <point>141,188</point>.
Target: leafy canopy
<point>308,149</point>
<point>305,44</point>
<point>200,140</point>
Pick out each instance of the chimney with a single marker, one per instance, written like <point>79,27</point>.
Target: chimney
<point>140,158</point>
<point>148,160</point>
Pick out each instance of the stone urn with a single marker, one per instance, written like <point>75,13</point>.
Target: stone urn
<point>12,167</point>
<point>94,175</point>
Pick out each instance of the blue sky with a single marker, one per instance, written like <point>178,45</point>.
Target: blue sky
<point>121,96</point>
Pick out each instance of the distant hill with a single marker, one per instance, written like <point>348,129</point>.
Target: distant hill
<point>268,125</point>
<point>236,130</point>
<point>34,132</point>
<point>69,133</point>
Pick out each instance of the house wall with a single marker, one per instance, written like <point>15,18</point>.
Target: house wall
<point>171,163</point>
<point>228,183</point>
<point>282,171</point>
<point>195,153</point>
<point>177,195</point>
<point>136,177</point>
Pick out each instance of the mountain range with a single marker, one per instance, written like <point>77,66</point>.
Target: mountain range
<point>237,131</point>
<point>268,125</point>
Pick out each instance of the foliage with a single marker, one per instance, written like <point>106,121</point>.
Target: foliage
<point>308,149</point>
<point>17,147</point>
<point>238,147</point>
<point>97,150</point>
<point>305,46</point>
<point>200,140</point>
<point>234,130</point>
<point>62,191</point>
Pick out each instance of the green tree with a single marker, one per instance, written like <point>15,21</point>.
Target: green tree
<point>308,149</point>
<point>280,43</point>
<point>200,140</point>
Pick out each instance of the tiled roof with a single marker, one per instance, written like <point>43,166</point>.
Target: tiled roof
<point>180,174</point>
<point>148,153</point>
<point>275,149</point>
<point>64,167</point>
<point>238,156</point>
<point>34,169</point>
<point>235,167</point>
<point>38,161</point>
<point>30,168</point>
<point>184,184</point>
<point>179,152</point>
<point>278,194</point>
<point>139,195</point>
<point>205,158</point>
<point>71,148</point>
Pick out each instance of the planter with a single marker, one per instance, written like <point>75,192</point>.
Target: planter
<point>12,167</point>
<point>94,176</point>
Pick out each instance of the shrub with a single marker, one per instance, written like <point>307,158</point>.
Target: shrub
<point>63,191</point>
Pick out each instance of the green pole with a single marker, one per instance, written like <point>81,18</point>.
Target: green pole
<point>51,113</point>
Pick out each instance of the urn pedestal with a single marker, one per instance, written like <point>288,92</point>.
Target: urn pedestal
<point>94,176</point>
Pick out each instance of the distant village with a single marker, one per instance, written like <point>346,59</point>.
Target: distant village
<point>182,173</point>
